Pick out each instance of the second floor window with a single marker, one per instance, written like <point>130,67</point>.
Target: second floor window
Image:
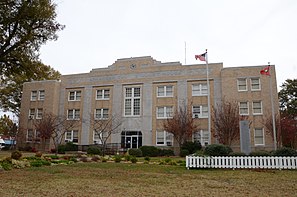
<point>200,111</point>
<point>241,84</point>
<point>31,113</point>
<point>243,108</point>
<point>164,112</point>
<point>74,95</point>
<point>165,91</point>
<point>132,101</point>
<point>101,114</point>
<point>39,113</point>
<point>73,114</point>
<point>41,95</point>
<point>199,89</point>
<point>33,95</point>
<point>255,84</point>
<point>102,94</point>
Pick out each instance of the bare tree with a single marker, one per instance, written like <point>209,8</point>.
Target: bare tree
<point>54,127</point>
<point>226,119</point>
<point>268,123</point>
<point>105,127</point>
<point>181,125</point>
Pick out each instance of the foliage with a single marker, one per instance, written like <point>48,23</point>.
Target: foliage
<point>181,125</point>
<point>135,152</point>
<point>69,146</point>
<point>147,158</point>
<point>226,122</point>
<point>53,156</point>
<point>117,158</point>
<point>285,151</point>
<point>94,151</point>
<point>150,151</point>
<point>6,165</point>
<point>217,150</point>
<point>166,152</point>
<point>7,127</point>
<point>260,153</point>
<point>192,147</point>
<point>133,159</point>
<point>39,163</point>
<point>16,155</point>
<point>288,97</point>
<point>184,152</point>
<point>237,154</point>
<point>38,154</point>
<point>20,164</point>
<point>289,130</point>
<point>95,158</point>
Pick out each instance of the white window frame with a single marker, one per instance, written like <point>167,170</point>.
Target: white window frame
<point>27,136</point>
<point>97,138</point>
<point>167,138</point>
<point>39,113</point>
<point>202,113</point>
<point>199,89</point>
<point>167,112</point>
<point>241,85</point>
<point>240,107</point>
<point>132,101</point>
<point>164,91</point>
<point>33,95</point>
<point>31,114</point>
<point>202,136</point>
<point>104,95</point>
<point>76,95</point>
<point>71,114</point>
<point>41,95</point>
<point>262,136</point>
<point>255,84</point>
<point>72,136</point>
<point>253,104</point>
<point>100,115</point>
<point>37,136</point>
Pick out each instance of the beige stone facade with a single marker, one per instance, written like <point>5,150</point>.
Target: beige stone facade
<point>143,92</point>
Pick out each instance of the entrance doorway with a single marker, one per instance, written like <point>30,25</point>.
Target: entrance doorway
<point>131,139</point>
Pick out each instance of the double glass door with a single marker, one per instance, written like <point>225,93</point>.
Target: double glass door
<point>131,139</point>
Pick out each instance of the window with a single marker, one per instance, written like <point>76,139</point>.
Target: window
<point>243,108</point>
<point>164,112</point>
<point>33,95</point>
<point>255,84</point>
<point>37,136</point>
<point>200,111</point>
<point>241,83</point>
<point>71,136</point>
<point>164,138</point>
<point>31,114</point>
<point>74,95</point>
<point>73,114</point>
<point>132,101</point>
<point>165,91</point>
<point>259,136</point>
<point>102,94</point>
<point>97,137</point>
<point>257,107</point>
<point>39,113</point>
<point>201,136</point>
<point>30,135</point>
<point>101,114</point>
<point>41,95</point>
<point>199,89</point>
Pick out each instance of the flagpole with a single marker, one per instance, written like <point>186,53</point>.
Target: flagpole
<point>272,111</point>
<point>208,96</point>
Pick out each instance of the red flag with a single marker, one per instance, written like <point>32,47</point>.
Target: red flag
<point>201,57</point>
<point>265,71</point>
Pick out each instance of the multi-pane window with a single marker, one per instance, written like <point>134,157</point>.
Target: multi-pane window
<point>41,95</point>
<point>132,101</point>
<point>33,95</point>
<point>200,111</point>
<point>74,95</point>
<point>164,138</point>
<point>199,89</point>
<point>97,137</point>
<point>241,84</point>
<point>71,136</point>
<point>101,113</point>
<point>165,91</point>
<point>31,113</point>
<point>30,135</point>
<point>202,136</point>
<point>39,113</point>
<point>243,108</point>
<point>255,84</point>
<point>164,112</point>
<point>37,136</point>
<point>259,136</point>
<point>102,94</point>
<point>73,114</point>
<point>257,107</point>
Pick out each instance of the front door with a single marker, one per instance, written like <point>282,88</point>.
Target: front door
<point>131,139</point>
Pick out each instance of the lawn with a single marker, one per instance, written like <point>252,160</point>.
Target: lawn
<point>123,179</point>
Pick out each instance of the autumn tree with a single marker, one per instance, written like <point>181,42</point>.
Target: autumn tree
<point>104,127</point>
<point>8,128</point>
<point>226,122</point>
<point>181,125</point>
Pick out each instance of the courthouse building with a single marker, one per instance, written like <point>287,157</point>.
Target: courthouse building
<point>143,92</point>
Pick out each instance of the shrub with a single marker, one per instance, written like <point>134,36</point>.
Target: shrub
<point>135,152</point>
<point>217,150</point>
<point>95,158</point>
<point>103,159</point>
<point>166,152</point>
<point>184,152</point>
<point>53,156</point>
<point>94,151</point>
<point>117,158</point>
<point>16,155</point>
<point>150,151</point>
<point>167,160</point>
<point>127,157</point>
<point>237,154</point>
<point>69,146</point>
<point>133,159</point>
<point>6,165</point>
<point>38,154</point>
<point>38,163</point>
<point>192,147</point>
<point>19,164</point>
<point>285,151</point>
<point>260,153</point>
<point>84,158</point>
<point>147,158</point>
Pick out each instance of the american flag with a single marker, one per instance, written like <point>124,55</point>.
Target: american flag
<point>201,57</point>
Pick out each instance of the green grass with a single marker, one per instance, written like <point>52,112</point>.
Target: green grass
<point>123,179</point>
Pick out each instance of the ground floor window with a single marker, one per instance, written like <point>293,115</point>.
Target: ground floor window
<point>71,136</point>
<point>259,136</point>
<point>201,136</point>
<point>131,139</point>
<point>164,138</point>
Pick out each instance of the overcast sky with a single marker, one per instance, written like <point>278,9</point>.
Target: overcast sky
<point>235,32</point>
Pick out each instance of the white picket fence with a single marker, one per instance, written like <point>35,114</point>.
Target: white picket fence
<point>242,162</point>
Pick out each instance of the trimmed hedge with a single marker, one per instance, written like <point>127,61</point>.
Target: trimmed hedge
<point>93,151</point>
<point>285,151</point>
<point>149,151</point>
<point>135,152</point>
<point>192,147</point>
<point>217,150</point>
